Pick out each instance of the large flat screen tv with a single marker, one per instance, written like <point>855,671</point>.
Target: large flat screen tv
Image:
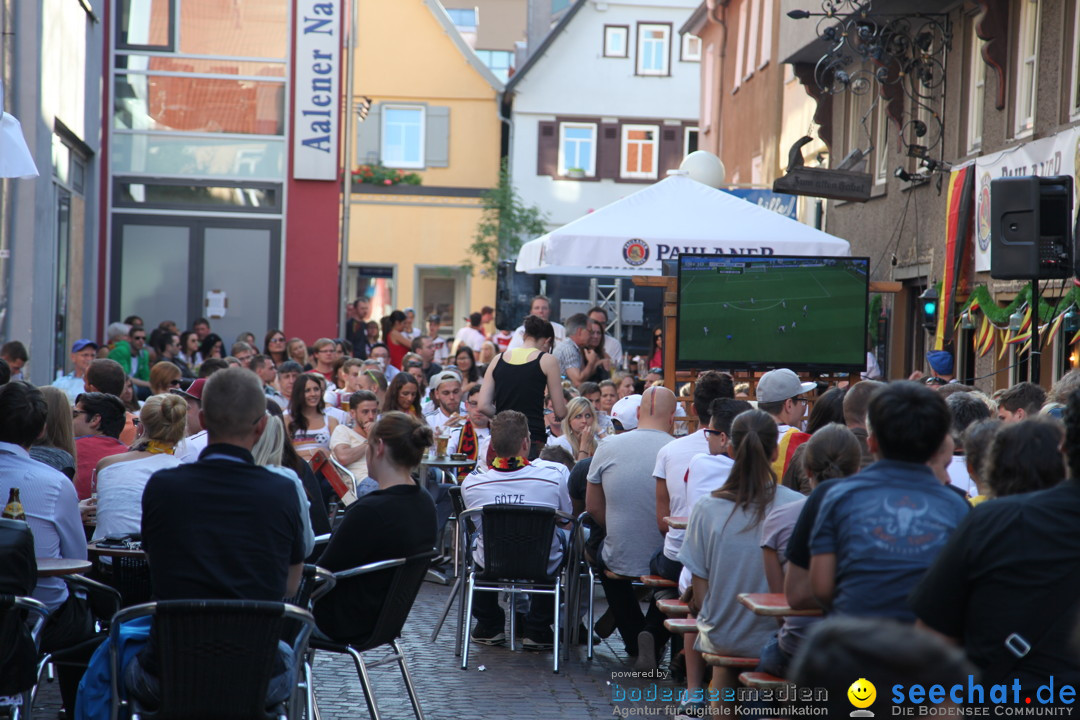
<point>755,312</point>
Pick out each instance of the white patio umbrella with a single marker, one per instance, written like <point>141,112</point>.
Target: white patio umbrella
<point>15,158</point>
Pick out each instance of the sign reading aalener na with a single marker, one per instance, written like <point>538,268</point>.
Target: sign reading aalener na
<point>316,114</point>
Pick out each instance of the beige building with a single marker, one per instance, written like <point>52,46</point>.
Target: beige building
<point>434,118</point>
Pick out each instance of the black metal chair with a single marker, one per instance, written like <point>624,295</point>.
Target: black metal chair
<point>517,553</point>
<point>20,652</point>
<point>406,577</point>
<point>216,658</point>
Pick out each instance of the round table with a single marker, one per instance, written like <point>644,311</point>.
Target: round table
<point>55,567</point>
<point>96,550</point>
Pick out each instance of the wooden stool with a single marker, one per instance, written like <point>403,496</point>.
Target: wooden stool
<point>673,607</point>
<point>762,681</point>
<point>681,626</point>
<point>728,661</point>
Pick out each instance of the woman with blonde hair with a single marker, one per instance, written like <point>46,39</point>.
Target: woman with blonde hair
<point>121,478</point>
<point>164,376</point>
<point>581,432</point>
<point>56,446</point>
<point>297,350</point>
<point>268,452</point>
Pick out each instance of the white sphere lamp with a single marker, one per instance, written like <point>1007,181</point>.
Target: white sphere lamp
<point>703,166</point>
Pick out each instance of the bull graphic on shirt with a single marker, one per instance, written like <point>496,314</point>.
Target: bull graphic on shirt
<point>905,525</point>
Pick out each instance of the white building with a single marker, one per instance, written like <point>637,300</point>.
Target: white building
<point>607,103</point>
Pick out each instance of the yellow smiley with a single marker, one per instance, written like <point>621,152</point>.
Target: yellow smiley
<point>862,693</point>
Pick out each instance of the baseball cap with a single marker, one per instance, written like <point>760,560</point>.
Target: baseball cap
<point>781,384</point>
<point>434,318</point>
<point>941,361</point>
<point>625,412</point>
<point>444,376</point>
<point>193,392</point>
<point>79,345</point>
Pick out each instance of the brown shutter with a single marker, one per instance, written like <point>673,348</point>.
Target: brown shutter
<point>670,149</point>
<point>608,151</point>
<point>547,149</point>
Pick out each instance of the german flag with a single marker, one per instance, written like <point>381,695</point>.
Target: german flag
<point>959,248</point>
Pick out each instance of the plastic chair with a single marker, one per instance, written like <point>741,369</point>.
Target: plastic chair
<point>406,577</point>
<point>216,658</point>
<point>517,552</point>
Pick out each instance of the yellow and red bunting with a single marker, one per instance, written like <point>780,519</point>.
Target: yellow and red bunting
<point>988,341</point>
<point>1075,338</point>
<point>1026,324</point>
<point>1020,337</point>
<point>1004,343</point>
<point>1055,327</point>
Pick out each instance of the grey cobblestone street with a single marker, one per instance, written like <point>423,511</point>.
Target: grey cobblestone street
<point>512,685</point>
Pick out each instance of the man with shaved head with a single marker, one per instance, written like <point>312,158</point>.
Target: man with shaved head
<point>621,498</point>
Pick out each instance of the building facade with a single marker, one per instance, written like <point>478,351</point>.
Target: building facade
<point>574,149</point>
<point>49,225</point>
<point>210,205</point>
<point>1002,100</point>
<point>432,113</point>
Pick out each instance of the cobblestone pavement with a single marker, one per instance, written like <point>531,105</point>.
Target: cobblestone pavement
<point>517,684</point>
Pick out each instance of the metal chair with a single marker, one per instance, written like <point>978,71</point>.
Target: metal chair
<point>20,642</point>
<point>405,578</point>
<point>216,658</point>
<point>517,553</point>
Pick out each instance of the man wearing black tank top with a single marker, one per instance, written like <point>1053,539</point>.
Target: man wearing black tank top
<point>517,379</point>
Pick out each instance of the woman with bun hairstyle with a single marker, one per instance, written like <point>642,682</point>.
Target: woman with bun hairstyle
<point>121,478</point>
<point>397,520</point>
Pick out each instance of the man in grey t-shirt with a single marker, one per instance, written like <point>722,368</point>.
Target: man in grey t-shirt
<point>576,361</point>
<point>621,497</point>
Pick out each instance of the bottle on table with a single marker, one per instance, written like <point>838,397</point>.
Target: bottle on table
<point>14,509</point>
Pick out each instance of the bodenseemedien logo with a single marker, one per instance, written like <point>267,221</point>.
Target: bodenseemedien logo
<point>862,694</point>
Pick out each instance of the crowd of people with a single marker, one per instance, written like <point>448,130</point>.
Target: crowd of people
<point>855,499</point>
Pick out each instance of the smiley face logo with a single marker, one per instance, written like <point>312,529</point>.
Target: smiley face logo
<point>862,694</point>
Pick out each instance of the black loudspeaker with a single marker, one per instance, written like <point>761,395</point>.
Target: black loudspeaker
<point>514,292</point>
<point>1031,228</point>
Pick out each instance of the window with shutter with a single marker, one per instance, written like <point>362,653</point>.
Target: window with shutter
<point>367,137</point>
<point>639,151</point>
<point>437,137</point>
<point>403,135</point>
<point>547,149</point>
<point>607,152</point>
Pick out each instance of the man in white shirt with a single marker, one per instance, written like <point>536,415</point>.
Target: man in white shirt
<point>481,425</point>
<point>438,342</point>
<point>672,463</point>
<point>350,445</point>
<point>471,335</point>
<point>189,449</point>
<point>612,346</point>
<point>541,308</point>
<point>512,479</point>
<point>83,353</point>
<point>446,399</point>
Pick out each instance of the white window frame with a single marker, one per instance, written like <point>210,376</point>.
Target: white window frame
<point>1075,105</point>
<point>686,53</point>
<point>686,138</point>
<point>591,170</point>
<point>881,144</point>
<point>642,28</point>
<point>976,94</point>
<point>609,31</point>
<point>624,146</point>
<point>765,55</point>
<point>1026,68</point>
<point>751,46</point>
<point>423,131</point>
<point>740,52</point>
